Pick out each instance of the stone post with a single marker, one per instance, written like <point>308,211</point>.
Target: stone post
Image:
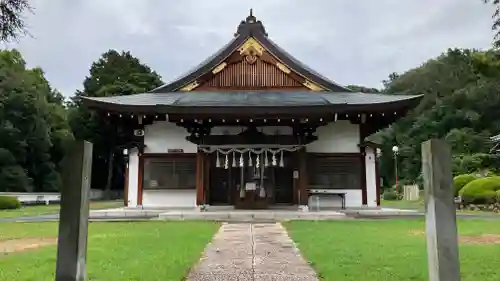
<point>74,213</point>
<point>440,213</point>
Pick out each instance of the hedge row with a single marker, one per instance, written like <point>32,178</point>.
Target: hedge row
<point>481,191</point>
<point>461,180</point>
<point>8,202</point>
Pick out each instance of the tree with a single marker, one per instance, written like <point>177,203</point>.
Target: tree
<point>460,104</point>
<point>112,74</point>
<point>496,21</point>
<point>33,126</point>
<point>363,89</point>
<point>11,20</point>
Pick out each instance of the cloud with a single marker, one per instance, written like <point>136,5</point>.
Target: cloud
<point>351,42</point>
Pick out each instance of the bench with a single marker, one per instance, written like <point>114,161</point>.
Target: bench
<point>330,192</point>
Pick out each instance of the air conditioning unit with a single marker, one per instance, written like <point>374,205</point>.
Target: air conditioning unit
<point>139,132</point>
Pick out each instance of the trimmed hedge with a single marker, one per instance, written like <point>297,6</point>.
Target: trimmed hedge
<point>9,203</point>
<point>390,195</point>
<point>461,180</point>
<point>481,191</point>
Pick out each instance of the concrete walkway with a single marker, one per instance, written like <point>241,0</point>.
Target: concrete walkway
<point>245,251</point>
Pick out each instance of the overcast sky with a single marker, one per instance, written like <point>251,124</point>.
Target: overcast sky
<point>351,42</point>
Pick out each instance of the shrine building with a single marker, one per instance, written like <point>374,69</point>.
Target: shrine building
<point>252,127</point>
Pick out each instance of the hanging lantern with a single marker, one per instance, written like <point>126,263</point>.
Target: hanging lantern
<point>274,162</point>
<point>250,159</point>
<point>282,163</point>
<point>266,160</point>
<point>241,160</point>
<point>226,163</point>
<point>217,164</point>
<point>234,159</point>
<point>257,161</point>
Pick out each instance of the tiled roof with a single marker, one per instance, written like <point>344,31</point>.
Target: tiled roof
<point>250,99</point>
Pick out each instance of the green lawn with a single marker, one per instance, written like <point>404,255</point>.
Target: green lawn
<point>389,250</point>
<point>402,204</point>
<point>145,251</point>
<point>419,205</point>
<point>54,209</point>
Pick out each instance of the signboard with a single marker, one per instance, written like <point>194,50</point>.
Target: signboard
<point>295,174</point>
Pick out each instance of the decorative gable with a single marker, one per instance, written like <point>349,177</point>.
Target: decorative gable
<point>251,61</point>
<point>251,67</point>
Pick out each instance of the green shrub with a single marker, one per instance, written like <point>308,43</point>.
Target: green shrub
<point>8,202</point>
<point>390,195</point>
<point>481,191</point>
<point>461,180</point>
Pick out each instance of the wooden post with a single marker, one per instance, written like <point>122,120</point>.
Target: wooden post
<point>125,187</point>
<point>377,180</point>
<point>140,177</point>
<point>200,170</point>
<point>303,178</point>
<point>440,213</point>
<point>74,213</point>
<point>364,191</point>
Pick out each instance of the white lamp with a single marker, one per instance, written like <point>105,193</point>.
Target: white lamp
<point>395,149</point>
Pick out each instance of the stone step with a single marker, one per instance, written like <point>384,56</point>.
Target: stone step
<point>251,216</point>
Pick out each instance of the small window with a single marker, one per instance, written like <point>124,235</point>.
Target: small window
<point>178,172</point>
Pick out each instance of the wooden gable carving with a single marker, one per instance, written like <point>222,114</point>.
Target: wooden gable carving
<point>250,73</point>
<point>251,61</point>
<point>251,67</point>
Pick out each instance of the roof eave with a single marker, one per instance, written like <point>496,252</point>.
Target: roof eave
<point>393,106</point>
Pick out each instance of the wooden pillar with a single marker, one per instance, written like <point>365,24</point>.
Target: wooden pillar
<point>206,179</point>
<point>140,180</point>
<point>200,181</point>
<point>125,183</point>
<point>440,212</point>
<point>74,213</point>
<point>303,182</point>
<point>364,195</point>
<point>295,180</point>
<point>377,175</point>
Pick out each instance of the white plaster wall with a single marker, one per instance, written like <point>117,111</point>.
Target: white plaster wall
<point>353,199</point>
<point>338,137</point>
<point>133,174</point>
<point>169,198</point>
<point>161,136</point>
<point>371,177</point>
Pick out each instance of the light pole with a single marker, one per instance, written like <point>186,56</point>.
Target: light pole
<point>395,151</point>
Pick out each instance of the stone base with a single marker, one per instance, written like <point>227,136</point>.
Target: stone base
<point>202,208</point>
<point>303,208</point>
